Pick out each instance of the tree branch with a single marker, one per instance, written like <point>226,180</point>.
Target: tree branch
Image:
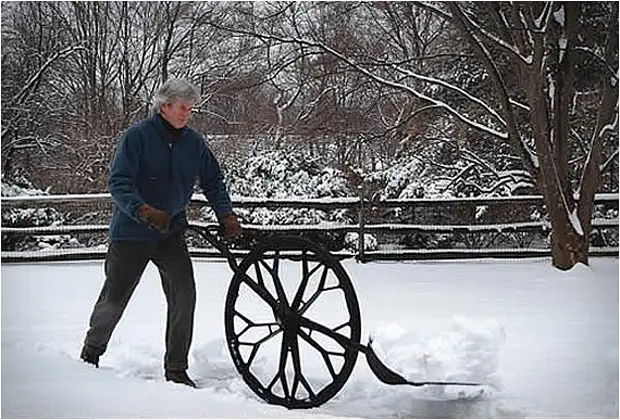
<point>34,79</point>
<point>530,158</point>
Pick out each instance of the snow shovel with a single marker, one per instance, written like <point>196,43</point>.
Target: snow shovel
<point>289,326</point>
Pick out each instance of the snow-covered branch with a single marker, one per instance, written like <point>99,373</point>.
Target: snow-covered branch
<point>505,100</point>
<point>454,88</point>
<point>379,79</point>
<point>609,160</point>
<point>519,105</point>
<point>310,106</point>
<point>33,80</point>
<point>510,48</point>
<point>611,72</point>
<point>610,126</point>
<point>399,86</point>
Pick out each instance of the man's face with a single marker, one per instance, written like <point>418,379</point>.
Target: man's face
<point>177,113</point>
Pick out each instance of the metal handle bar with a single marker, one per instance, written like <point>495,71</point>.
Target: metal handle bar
<point>219,245</point>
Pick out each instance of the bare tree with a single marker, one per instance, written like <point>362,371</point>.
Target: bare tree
<point>542,43</point>
<point>32,48</point>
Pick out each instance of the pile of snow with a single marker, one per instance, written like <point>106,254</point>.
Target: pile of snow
<point>467,351</point>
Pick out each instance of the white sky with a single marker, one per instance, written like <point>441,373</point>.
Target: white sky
<point>548,339</point>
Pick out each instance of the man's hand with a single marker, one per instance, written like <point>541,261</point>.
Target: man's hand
<point>155,218</point>
<point>231,225</point>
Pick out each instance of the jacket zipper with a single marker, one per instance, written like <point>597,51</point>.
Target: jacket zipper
<point>170,151</point>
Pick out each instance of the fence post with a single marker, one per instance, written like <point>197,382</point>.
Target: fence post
<point>360,246</point>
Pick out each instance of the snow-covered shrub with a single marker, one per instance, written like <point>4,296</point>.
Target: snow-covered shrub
<point>351,242</point>
<point>283,174</point>
<point>31,217</point>
<point>277,174</point>
<point>19,187</point>
<point>428,241</point>
<point>55,242</point>
<point>403,179</point>
<point>20,217</point>
<point>46,216</point>
<point>600,236</point>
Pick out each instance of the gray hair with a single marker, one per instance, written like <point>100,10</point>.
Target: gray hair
<point>174,89</point>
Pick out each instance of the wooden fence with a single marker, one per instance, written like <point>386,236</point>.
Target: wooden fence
<point>475,227</point>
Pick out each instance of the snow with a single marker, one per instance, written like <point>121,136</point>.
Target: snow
<point>559,16</point>
<point>562,43</point>
<point>11,190</point>
<point>547,339</point>
<point>609,127</point>
<point>351,241</point>
<point>551,94</point>
<point>538,22</point>
<point>574,220</point>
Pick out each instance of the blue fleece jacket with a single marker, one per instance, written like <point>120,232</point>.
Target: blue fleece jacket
<point>157,164</point>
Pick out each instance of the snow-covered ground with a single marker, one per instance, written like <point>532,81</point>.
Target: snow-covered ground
<point>547,340</point>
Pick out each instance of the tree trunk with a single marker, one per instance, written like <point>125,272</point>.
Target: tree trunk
<point>567,246</point>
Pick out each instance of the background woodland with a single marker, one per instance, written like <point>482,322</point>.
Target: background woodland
<point>406,99</point>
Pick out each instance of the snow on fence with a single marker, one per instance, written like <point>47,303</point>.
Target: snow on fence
<point>480,227</point>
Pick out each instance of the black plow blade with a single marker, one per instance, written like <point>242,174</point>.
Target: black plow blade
<point>388,376</point>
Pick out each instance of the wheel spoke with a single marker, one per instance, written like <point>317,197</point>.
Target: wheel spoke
<point>259,341</point>
<point>256,344</point>
<point>341,326</point>
<point>308,388</point>
<point>305,277</point>
<point>282,365</point>
<point>261,291</point>
<point>253,325</point>
<point>320,289</point>
<point>299,376</point>
<point>252,355</point>
<point>344,341</point>
<point>259,275</point>
<point>276,279</point>
<point>324,353</point>
<point>273,381</point>
<point>293,346</point>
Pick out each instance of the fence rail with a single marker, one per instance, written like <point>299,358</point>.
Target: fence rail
<point>476,237</point>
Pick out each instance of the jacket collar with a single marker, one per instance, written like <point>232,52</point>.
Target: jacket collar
<point>169,133</point>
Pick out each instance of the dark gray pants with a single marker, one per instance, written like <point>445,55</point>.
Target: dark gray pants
<point>124,264</point>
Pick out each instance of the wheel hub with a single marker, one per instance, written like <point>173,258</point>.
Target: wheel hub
<point>286,317</point>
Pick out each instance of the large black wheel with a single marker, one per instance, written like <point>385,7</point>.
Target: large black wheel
<point>292,322</point>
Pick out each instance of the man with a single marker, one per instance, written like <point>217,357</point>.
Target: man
<point>151,180</point>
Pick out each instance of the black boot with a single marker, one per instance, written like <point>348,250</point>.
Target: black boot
<point>179,377</point>
<point>90,355</point>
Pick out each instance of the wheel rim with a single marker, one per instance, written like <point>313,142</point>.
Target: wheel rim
<point>287,308</point>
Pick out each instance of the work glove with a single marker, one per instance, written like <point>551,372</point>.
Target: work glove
<point>230,225</point>
<point>155,218</point>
